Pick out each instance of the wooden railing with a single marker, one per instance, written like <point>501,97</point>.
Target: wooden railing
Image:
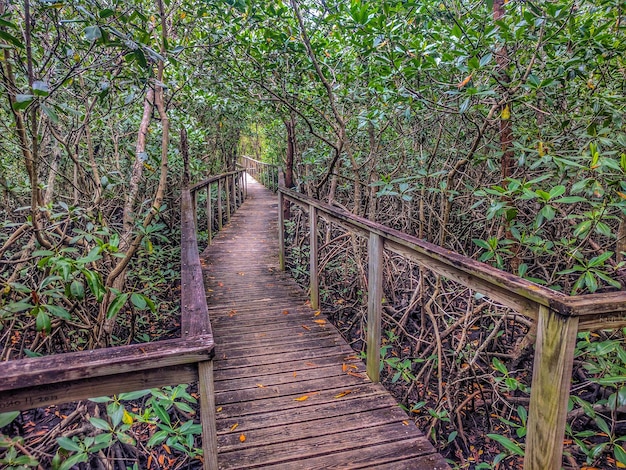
<point>559,317</point>
<point>265,173</point>
<point>62,378</point>
<point>224,194</point>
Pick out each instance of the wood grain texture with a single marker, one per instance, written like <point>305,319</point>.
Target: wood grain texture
<point>290,393</point>
<point>374,305</point>
<point>552,375</point>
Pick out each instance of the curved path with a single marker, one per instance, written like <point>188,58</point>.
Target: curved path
<point>289,391</point>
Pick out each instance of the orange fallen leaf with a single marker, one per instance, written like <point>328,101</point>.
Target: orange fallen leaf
<point>317,313</point>
<point>302,398</point>
<point>354,374</point>
<point>161,459</point>
<point>167,448</point>
<point>406,423</point>
<point>219,408</point>
<point>344,367</point>
<point>294,373</point>
<point>242,438</point>
<point>232,313</point>
<point>352,366</point>
<point>350,358</point>
<point>306,327</point>
<point>233,427</point>
<point>285,312</point>
<point>310,364</point>
<point>260,385</point>
<point>220,284</point>
<point>320,321</point>
<point>149,461</point>
<point>343,394</point>
<point>465,81</point>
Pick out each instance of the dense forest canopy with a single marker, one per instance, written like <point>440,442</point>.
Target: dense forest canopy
<point>492,128</point>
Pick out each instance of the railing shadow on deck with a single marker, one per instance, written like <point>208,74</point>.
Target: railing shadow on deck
<point>63,378</point>
<point>558,317</point>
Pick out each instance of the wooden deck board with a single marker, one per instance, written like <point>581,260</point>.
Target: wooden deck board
<point>290,393</point>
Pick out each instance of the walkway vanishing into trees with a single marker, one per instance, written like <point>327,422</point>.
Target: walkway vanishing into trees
<point>289,391</point>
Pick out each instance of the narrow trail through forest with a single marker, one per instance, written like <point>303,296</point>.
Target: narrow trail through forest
<point>290,393</point>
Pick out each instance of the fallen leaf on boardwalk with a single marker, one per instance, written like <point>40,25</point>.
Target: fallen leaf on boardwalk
<point>406,423</point>
<point>352,366</point>
<point>260,385</point>
<point>354,374</point>
<point>233,427</point>
<point>302,398</point>
<point>285,312</point>
<point>310,364</point>
<point>306,327</point>
<point>320,321</point>
<point>343,394</point>
<point>317,313</point>
<point>294,373</point>
<point>220,284</point>
<point>219,408</point>
<point>242,438</point>
<point>350,358</point>
<point>344,367</point>
<point>232,313</point>
<point>242,274</point>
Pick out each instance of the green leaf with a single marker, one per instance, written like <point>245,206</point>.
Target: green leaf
<point>77,289</point>
<point>93,33</point>
<point>508,444</point>
<point>499,366</point>
<point>100,423</point>
<point>600,259</point>
<point>40,88</point>
<point>43,321</point>
<point>22,101</point>
<point>620,454</point>
<point>569,200</point>
<point>7,418</point>
<point>116,305</point>
<point>484,60</point>
<point>157,438</point>
<point>133,395</point>
<point>58,312</point>
<point>138,301</point>
<point>11,39</point>
<point>95,284</point>
<point>50,112</point>
<point>81,457</point>
<point>68,444</point>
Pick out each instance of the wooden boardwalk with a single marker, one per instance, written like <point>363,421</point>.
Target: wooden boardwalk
<point>290,393</point>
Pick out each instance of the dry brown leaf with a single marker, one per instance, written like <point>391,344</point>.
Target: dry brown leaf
<point>232,313</point>
<point>294,373</point>
<point>354,374</point>
<point>219,408</point>
<point>343,394</point>
<point>350,358</point>
<point>260,385</point>
<point>310,364</point>
<point>317,312</point>
<point>285,312</point>
<point>306,327</point>
<point>302,398</point>
<point>465,81</point>
<point>344,367</point>
<point>406,423</point>
<point>320,321</point>
<point>242,438</point>
<point>233,427</point>
<point>167,448</point>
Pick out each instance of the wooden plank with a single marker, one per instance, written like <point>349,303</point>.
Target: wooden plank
<point>327,443</point>
<point>66,367</point>
<point>313,257</point>
<point>552,375</point>
<point>374,305</point>
<point>37,396</point>
<point>207,414</point>
<point>219,205</point>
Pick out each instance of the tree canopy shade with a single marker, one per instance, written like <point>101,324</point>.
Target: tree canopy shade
<point>494,129</point>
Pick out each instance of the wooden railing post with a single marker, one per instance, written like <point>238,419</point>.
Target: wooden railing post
<point>233,192</point>
<point>209,214</point>
<point>194,200</point>
<point>227,198</point>
<point>281,232</point>
<point>552,374</point>
<point>220,214</point>
<point>206,388</point>
<point>374,304</point>
<point>313,275</point>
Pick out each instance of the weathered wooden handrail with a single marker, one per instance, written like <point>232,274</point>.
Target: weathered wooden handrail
<point>231,192</point>
<point>265,173</point>
<point>559,317</point>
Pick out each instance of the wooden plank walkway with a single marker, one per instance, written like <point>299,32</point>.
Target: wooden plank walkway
<point>290,393</point>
